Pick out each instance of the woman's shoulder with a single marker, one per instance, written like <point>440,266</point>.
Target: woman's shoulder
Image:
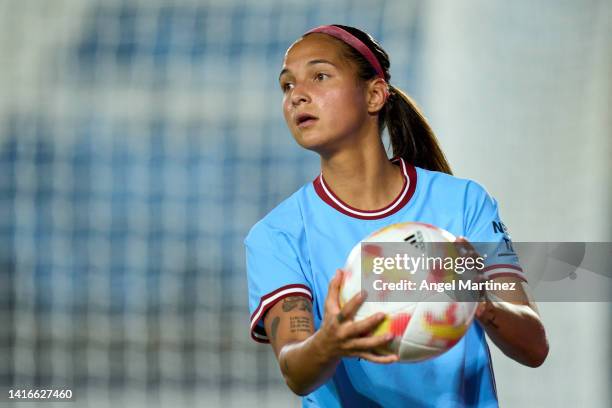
<point>284,219</point>
<point>449,184</point>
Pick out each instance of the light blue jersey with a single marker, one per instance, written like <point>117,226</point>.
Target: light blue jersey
<point>297,247</point>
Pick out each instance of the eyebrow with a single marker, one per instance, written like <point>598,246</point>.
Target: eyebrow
<point>311,62</point>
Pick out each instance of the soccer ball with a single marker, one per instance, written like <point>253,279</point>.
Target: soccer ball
<point>425,323</point>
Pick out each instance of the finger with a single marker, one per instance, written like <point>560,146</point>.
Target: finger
<point>354,303</point>
<point>465,248</point>
<point>366,325</point>
<point>368,343</point>
<point>375,358</point>
<point>467,251</point>
<point>480,309</point>
<point>333,292</point>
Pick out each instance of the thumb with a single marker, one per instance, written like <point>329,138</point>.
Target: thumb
<point>480,309</point>
<point>333,291</point>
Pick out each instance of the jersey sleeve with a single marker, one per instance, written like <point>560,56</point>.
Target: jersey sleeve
<point>484,228</point>
<point>274,271</point>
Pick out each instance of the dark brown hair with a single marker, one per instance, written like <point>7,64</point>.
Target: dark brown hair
<point>411,136</point>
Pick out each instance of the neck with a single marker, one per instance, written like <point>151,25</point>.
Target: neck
<point>363,177</point>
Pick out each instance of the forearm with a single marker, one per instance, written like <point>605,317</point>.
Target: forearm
<point>308,358</point>
<point>305,365</point>
<point>516,330</point>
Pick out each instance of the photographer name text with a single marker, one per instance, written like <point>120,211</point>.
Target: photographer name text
<point>408,285</point>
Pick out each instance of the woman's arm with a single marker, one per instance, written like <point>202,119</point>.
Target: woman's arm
<point>510,319</point>
<point>514,325</point>
<point>308,358</point>
<point>302,361</point>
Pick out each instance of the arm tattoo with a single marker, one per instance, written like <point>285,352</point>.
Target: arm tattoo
<point>300,324</point>
<point>491,322</point>
<point>274,328</point>
<point>299,302</point>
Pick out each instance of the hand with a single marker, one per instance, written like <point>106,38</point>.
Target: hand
<point>485,309</point>
<point>467,251</point>
<point>341,336</point>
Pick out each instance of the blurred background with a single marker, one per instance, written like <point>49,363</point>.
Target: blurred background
<point>140,140</point>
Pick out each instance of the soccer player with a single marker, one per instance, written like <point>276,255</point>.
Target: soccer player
<point>337,100</point>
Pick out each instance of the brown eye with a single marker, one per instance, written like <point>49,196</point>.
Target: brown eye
<point>320,76</point>
<point>286,86</point>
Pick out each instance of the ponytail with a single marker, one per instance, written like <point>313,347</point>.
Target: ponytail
<point>411,136</point>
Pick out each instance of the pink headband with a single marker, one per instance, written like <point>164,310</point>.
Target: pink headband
<point>354,42</point>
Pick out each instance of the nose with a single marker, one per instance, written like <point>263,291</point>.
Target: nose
<point>299,95</point>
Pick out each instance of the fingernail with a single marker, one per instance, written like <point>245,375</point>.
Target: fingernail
<point>389,336</point>
<point>380,316</point>
<point>364,294</point>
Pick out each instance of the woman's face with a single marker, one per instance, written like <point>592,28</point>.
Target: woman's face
<point>324,102</point>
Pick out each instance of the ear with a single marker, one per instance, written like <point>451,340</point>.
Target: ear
<point>377,94</point>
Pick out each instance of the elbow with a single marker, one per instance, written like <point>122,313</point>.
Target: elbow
<point>538,356</point>
<point>538,348</point>
<point>296,389</point>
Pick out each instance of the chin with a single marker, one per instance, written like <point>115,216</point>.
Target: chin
<point>315,141</point>
<point>318,145</point>
<point>309,140</point>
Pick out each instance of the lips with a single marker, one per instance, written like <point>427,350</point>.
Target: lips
<point>305,119</point>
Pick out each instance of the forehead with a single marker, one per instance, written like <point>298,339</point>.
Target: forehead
<point>312,47</point>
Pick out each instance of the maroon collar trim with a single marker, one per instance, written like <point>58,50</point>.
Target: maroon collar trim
<point>410,181</point>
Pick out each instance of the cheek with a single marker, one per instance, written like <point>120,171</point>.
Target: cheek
<point>287,111</point>
<point>286,106</point>
<point>346,104</point>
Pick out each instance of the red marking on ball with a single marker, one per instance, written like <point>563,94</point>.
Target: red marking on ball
<point>451,313</point>
<point>450,316</point>
<point>373,250</point>
<point>451,343</point>
<point>399,324</point>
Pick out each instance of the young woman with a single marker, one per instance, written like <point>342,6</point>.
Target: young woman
<point>337,101</point>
